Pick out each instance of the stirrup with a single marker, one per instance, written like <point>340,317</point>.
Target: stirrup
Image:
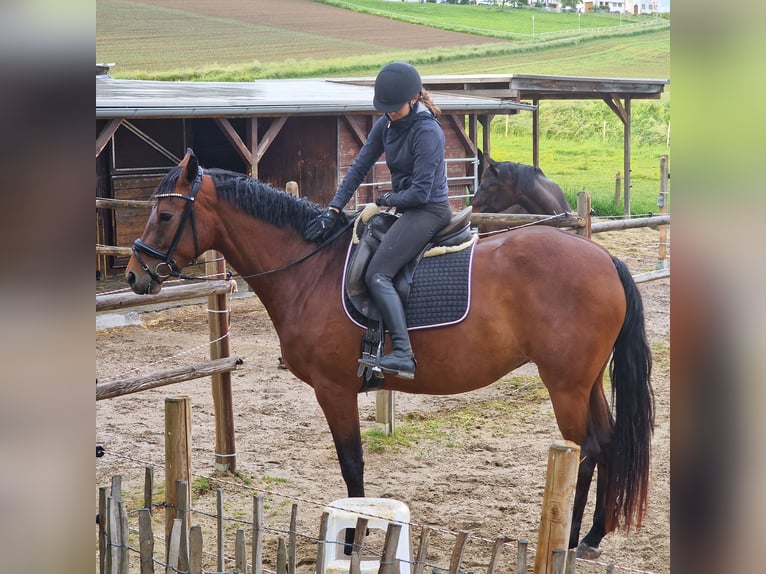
<point>400,373</point>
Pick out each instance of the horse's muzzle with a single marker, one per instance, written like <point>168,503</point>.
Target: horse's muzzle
<point>145,285</point>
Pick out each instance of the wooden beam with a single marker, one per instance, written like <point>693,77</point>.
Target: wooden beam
<point>106,134</point>
<point>615,105</point>
<point>166,377</point>
<point>360,135</point>
<point>125,299</point>
<point>268,137</point>
<point>234,139</point>
<point>460,129</point>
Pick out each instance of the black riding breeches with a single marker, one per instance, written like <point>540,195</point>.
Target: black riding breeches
<point>407,237</point>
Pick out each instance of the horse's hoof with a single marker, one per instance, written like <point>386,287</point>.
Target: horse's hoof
<point>588,552</point>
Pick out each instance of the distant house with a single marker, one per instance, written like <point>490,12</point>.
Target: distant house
<point>624,6</point>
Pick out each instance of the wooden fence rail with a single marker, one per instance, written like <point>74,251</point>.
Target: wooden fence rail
<point>126,299</point>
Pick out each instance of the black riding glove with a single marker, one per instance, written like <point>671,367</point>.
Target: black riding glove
<point>321,226</point>
<point>382,201</point>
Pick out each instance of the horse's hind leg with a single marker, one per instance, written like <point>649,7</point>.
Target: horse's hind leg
<point>600,431</point>
<point>581,418</point>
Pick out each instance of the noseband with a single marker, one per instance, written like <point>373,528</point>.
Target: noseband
<point>168,267</point>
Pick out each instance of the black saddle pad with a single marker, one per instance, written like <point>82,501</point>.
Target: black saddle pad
<point>440,293</point>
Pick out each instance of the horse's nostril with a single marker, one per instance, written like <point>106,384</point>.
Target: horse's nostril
<point>131,278</point>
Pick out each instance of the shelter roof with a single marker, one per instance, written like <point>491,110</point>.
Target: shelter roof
<point>149,98</point>
<point>531,86</point>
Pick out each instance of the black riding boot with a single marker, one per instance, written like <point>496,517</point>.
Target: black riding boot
<point>401,360</point>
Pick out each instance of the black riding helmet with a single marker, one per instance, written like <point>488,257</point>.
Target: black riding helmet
<point>396,84</point>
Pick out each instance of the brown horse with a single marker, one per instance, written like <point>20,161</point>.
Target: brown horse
<point>510,187</point>
<point>538,294</point>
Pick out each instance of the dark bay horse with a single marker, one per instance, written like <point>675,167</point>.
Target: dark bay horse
<point>539,295</point>
<point>510,187</point>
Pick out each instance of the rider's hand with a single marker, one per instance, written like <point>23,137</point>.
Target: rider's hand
<point>321,226</point>
<point>382,201</point>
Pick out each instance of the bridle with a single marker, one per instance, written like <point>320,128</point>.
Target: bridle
<point>168,267</point>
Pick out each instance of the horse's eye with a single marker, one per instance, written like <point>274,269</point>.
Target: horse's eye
<point>165,216</point>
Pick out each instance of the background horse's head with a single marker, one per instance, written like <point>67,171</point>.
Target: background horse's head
<point>510,187</point>
<point>169,241</point>
<point>497,189</point>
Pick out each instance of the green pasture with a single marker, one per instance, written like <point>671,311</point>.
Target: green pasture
<point>581,142</point>
<point>495,21</point>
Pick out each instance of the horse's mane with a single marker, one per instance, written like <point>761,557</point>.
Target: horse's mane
<point>256,198</point>
<point>523,174</point>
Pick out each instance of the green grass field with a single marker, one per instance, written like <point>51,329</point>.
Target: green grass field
<point>581,142</point>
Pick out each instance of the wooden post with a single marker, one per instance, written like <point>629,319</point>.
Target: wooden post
<point>173,544</point>
<point>195,550</point>
<point>626,158</point>
<point>293,539</point>
<point>240,552</point>
<point>257,566</point>
<point>124,533</point>
<point>281,557</point>
<point>457,552</point>
<point>571,561</point>
<point>420,561</point>
<point>219,530</point>
<point>497,550</point>
<point>556,516</point>
<point>521,555</point>
<point>177,455</point>
<point>148,487</point>
<point>558,561</point>
<point>662,202</point>
<point>291,187</point>
<point>388,561</point>
<point>146,541</point>
<point>183,503</point>
<point>617,190</point>
<point>384,411</point>
<point>583,211</point>
<point>356,550</point>
<point>102,522</point>
<point>218,321</point>
<point>322,542</point>
<point>115,540</point>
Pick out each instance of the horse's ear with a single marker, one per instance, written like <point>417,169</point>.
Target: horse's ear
<point>491,164</point>
<point>191,165</point>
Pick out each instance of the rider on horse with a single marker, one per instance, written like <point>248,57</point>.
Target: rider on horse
<point>413,141</point>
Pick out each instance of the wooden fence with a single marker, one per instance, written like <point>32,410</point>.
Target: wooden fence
<point>183,548</point>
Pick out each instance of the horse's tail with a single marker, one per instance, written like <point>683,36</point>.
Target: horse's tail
<point>633,402</point>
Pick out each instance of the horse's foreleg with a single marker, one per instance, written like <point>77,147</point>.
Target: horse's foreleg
<point>341,409</point>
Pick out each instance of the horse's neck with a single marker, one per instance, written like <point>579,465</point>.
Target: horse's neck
<point>265,256</point>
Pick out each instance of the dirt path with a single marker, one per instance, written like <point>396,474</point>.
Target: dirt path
<point>474,461</point>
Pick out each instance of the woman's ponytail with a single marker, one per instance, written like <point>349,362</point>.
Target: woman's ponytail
<point>425,97</point>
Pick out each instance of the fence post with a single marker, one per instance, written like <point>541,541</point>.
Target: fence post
<point>218,321</point>
<point>521,555</point>
<point>177,457</point>
<point>102,522</point>
<point>662,202</point>
<point>145,541</point>
<point>420,561</point>
<point>384,411</point>
<point>292,539</point>
<point>583,211</point>
<point>219,528</point>
<point>617,189</point>
<point>388,561</point>
<point>148,487</point>
<point>556,516</point>
<point>183,498</point>
<point>457,552</point>
<point>195,550</point>
<point>257,567</point>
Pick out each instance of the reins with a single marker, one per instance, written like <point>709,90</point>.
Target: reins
<point>316,250</point>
